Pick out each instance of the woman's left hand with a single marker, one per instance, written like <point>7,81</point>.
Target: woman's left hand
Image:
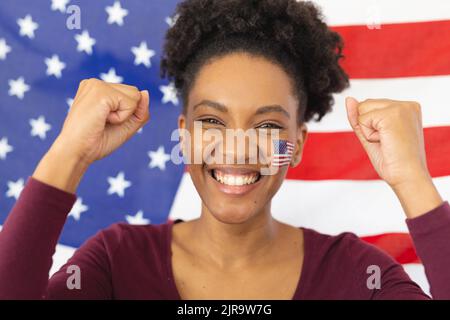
<point>392,135</point>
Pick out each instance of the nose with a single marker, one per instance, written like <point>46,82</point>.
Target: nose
<point>239,147</point>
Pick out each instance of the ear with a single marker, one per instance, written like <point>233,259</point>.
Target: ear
<point>302,134</point>
<point>182,126</point>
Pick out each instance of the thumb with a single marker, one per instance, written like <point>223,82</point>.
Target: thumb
<point>351,105</point>
<point>142,113</point>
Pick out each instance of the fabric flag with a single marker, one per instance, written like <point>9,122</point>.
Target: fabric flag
<point>392,50</point>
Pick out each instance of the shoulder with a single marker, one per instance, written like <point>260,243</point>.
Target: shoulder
<point>346,262</point>
<point>346,250</point>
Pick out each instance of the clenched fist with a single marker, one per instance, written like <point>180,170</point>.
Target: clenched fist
<point>103,116</point>
<point>392,135</point>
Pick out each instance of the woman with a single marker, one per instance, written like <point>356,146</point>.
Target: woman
<point>240,64</point>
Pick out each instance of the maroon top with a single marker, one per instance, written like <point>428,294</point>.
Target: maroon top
<point>134,262</point>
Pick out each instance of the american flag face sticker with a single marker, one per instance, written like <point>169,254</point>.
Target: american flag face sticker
<point>282,153</point>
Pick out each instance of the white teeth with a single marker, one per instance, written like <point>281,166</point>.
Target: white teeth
<point>235,180</point>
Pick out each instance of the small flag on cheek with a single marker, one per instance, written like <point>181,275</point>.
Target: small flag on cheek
<point>282,153</point>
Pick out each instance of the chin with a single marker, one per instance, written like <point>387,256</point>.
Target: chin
<point>233,214</point>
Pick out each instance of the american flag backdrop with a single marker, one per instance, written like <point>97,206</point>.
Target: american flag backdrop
<point>394,49</point>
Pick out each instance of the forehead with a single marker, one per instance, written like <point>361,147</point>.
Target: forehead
<point>240,79</point>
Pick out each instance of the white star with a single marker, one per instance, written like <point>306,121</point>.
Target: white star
<point>137,219</point>
<point>4,49</point>
<point>5,148</point>
<point>69,102</point>
<point>118,184</point>
<point>27,26</point>
<point>85,42</point>
<point>18,87</point>
<point>15,188</point>
<point>77,209</point>
<point>140,130</point>
<point>111,76</point>
<point>59,5</point>
<point>116,13</point>
<point>142,54</point>
<point>39,127</point>
<point>171,21</point>
<point>54,66</point>
<point>158,158</point>
<point>170,93</point>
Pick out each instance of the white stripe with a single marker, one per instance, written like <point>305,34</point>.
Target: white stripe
<point>416,272</point>
<point>62,254</point>
<point>358,12</point>
<point>430,92</point>
<point>363,207</point>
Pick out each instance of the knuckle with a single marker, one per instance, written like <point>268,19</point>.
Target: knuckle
<point>92,81</point>
<point>397,111</point>
<point>136,94</point>
<point>415,106</point>
<point>89,83</point>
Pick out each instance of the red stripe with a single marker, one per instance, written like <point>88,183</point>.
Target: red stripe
<point>398,245</point>
<point>397,50</point>
<point>340,155</point>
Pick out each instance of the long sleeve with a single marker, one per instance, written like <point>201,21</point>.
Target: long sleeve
<point>29,237</point>
<point>28,241</point>
<point>431,236</point>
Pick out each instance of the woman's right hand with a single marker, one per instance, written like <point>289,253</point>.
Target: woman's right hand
<point>102,117</point>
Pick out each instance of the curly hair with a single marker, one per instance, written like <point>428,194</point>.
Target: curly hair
<point>289,33</point>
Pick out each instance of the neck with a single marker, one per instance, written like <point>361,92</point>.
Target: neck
<point>235,245</point>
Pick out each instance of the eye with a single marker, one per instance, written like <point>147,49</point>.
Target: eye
<point>211,121</point>
<point>269,125</point>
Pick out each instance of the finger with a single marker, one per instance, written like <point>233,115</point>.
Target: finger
<point>352,111</point>
<point>355,121</point>
<point>122,107</point>
<point>135,122</point>
<point>142,113</point>
<point>369,125</point>
<point>131,91</point>
<point>83,88</point>
<point>369,105</point>
<point>140,116</point>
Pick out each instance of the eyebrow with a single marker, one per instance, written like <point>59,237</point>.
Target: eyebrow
<point>261,110</point>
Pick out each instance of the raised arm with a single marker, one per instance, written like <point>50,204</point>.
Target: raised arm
<point>102,117</point>
<point>391,133</point>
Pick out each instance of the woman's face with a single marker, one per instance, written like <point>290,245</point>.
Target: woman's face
<point>239,91</point>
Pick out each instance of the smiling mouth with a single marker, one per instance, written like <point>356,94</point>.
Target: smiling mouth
<point>235,177</point>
